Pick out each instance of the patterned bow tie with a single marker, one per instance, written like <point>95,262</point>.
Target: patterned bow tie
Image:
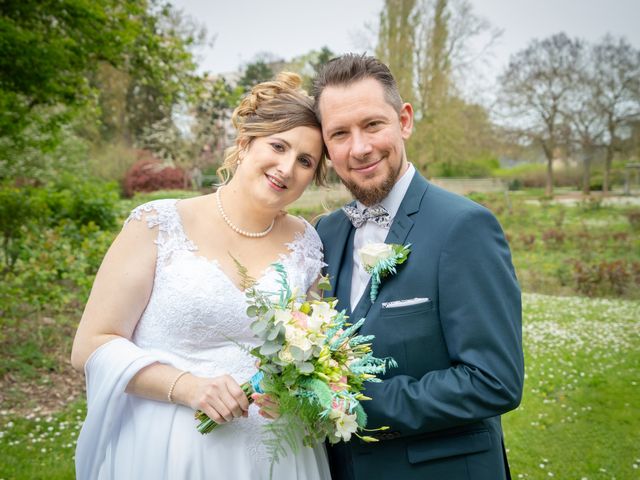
<point>377,214</point>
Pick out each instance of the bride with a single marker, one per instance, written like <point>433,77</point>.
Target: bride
<point>159,336</point>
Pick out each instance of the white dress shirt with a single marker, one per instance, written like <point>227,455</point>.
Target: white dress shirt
<point>371,232</point>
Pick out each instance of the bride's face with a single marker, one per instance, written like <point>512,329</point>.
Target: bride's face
<point>278,168</point>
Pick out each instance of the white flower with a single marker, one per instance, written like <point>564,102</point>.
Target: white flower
<point>296,337</point>
<point>374,252</point>
<point>285,355</point>
<point>282,316</point>
<point>345,424</point>
<point>322,313</point>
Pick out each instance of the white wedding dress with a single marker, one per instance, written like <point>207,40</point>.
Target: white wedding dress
<point>194,320</point>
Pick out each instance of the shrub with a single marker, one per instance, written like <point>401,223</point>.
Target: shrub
<point>79,201</point>
<point>149,174</point>
<point>553,237</point>
<point>591,204</point>
<point>54,269</point>
<point>606,278</point>
<point>16,212</point>
<point>476,168</point>
<point>634,219</point>
<point>527,239</point>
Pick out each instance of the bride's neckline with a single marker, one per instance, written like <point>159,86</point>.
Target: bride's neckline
<point>283,256</point>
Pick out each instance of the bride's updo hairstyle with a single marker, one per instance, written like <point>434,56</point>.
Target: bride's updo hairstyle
<point>270,108</point>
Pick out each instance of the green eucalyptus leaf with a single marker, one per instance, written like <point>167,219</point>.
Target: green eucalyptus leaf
<point>269,348</point>
<point>275,332</point>
<point>297,353</point>
<point>259,327</point>
<point>305,368</point>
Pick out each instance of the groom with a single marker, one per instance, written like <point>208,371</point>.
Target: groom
<point>450,316</point>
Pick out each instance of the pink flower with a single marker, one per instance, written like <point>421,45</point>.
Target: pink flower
<point>301,319</point>
<point>339,386</point>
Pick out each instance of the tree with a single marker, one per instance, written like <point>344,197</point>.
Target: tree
<point>450,40</point>
<point>47,48</point>
<point>396,41</point>
<point>65,65</point>
<point>308,65</point>
<point>616,85</point>
<point>426,44</point>
<point>212,121</point>
<point>322,58</point>
<point>535,89</point>
<point>46,51</point>
<point>587,128</point>
<point>161,68</point>
<point>255,73</point>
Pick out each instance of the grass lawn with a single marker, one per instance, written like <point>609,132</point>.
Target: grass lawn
<point>578,418</point>
<point>579,414</point>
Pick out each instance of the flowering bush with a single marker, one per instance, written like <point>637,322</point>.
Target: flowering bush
<point>149,174</point>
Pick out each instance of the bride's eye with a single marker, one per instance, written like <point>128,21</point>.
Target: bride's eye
<point>305,161</point>
<point>278,147</point>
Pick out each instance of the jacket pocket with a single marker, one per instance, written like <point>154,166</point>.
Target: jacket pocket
<point>415,309</point>
<point>448,446</point>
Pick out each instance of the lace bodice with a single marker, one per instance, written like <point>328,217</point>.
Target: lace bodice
<point>196,317</point>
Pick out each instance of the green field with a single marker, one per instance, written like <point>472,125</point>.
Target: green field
<point>578,418</point>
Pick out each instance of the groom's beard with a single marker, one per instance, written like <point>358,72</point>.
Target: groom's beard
<point>373,194</point>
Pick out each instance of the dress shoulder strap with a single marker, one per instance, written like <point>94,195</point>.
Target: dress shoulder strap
<point>164,215</point>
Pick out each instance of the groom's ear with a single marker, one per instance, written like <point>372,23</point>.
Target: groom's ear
<point>406,120</point>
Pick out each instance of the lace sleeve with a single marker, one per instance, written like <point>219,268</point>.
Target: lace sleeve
<point>307,256</point>
<point>164,215</point>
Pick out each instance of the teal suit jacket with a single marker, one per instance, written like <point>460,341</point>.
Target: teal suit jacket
<point>459,354</point>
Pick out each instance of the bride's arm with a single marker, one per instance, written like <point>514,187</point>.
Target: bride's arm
<point>119,295</point>
<point>120,291</point>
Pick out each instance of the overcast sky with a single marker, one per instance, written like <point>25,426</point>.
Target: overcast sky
<point>287,28</point>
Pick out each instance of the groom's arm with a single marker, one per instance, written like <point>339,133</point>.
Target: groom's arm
<point>480,313</point>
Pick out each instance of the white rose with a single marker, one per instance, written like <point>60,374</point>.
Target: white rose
<point>285,355</point>
<point>296,337</point>
<point>374,252</point>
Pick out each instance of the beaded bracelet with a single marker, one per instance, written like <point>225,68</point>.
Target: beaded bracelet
<point>173,385</point>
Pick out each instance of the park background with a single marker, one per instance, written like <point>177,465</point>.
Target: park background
<point>107,104</point>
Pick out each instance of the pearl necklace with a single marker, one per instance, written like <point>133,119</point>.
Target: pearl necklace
<point>237,229</point>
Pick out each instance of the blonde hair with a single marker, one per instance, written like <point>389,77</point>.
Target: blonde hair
<point>271,107</point>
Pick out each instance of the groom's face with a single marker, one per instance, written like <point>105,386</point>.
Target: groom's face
<point>365,135</point>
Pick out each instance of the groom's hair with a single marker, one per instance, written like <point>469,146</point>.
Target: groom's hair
<point>350,68</point>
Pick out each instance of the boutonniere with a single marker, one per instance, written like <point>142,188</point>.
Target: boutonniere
<point>380,260</point>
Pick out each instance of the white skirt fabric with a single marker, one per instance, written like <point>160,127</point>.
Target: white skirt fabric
<point>128,437</point>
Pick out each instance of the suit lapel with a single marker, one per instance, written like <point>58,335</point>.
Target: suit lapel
<point>343,287</point>
<point>402,224</point>
<point>363,306</point>
<point>339,260</point>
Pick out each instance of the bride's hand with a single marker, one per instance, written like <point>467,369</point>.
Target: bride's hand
<point>269,407</point>
<point>221,398</point>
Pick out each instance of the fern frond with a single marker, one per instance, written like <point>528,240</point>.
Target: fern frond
<point>246,280</point>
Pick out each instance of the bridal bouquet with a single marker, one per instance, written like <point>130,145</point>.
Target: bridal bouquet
<point>313,361</point>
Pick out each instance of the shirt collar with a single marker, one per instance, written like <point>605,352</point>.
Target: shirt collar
<point>392,201</point>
